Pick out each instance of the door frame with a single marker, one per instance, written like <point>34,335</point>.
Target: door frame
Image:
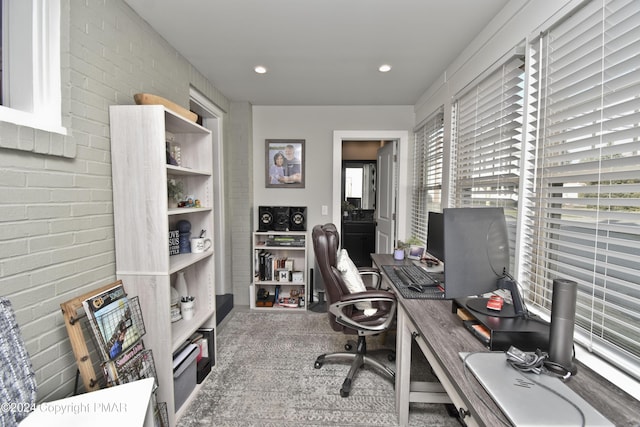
<point>213,120</point>
<point>402,193</point>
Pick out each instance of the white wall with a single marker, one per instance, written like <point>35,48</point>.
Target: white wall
<point>314,124</point>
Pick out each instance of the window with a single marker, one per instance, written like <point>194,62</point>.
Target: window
<point>427,173</point>
<point>488,139</point>
<point>488,142</point>
<point>583,216</point>
<point>31,87</point>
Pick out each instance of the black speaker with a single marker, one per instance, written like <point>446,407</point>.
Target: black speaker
<point>563,315</point>
<point>280,218</point>
<point>265,218</point>
<point>297,218</point>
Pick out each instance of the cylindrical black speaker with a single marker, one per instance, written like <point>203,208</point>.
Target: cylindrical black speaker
<point>563,315</point>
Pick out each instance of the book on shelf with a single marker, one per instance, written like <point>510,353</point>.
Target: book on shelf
<point>115,321</point>
<point>268,265</point>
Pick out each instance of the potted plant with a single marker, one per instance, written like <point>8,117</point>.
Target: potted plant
<point>174,192</point>
<point>347,208</point>
<point>410,246</point>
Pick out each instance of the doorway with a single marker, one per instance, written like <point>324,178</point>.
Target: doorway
<point>210,117</point>
<point>358,225</point>
<point>401,138</point>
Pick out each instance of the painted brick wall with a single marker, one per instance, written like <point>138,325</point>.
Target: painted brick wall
<point>56,223</point>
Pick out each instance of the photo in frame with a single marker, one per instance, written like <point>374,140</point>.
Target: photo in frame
<point>284,164</point>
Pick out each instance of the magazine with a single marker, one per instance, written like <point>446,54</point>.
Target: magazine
<point>134,364</point>
<point>115,320</point>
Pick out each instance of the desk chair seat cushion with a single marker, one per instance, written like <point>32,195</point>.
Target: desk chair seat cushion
<point>353,280</point>
<point>17,379</point>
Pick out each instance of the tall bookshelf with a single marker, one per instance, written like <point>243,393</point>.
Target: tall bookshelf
<point>280,268</point>
<point>143,219</point>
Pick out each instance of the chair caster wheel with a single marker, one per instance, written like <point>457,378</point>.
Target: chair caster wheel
<point>391,357</point>
<point>346,388</point>
<point>348,347</point>
<point>317,365</point>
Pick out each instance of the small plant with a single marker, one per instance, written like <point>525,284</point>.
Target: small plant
<point>175,190</point>
<point>406,245</point>
<point>347,207</point>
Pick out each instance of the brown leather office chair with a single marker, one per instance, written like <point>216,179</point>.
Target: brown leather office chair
<point>344,316</point>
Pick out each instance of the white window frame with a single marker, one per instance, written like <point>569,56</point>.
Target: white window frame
<point>32,94</point>
<point>428,155</point>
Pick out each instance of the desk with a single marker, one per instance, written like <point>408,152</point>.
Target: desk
<point>441,336</point>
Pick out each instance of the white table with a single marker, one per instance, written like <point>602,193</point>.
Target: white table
<point>123,405</point>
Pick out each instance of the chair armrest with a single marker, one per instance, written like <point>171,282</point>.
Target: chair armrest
<point>338,310</point>
<point>373,272</point>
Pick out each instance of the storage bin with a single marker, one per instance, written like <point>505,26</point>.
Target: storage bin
<point>184,375</point>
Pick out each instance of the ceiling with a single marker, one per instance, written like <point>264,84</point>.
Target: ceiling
<point>320,52</point>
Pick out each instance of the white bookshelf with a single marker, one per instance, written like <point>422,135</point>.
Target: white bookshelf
<point>280,245</point>
<point>142,220</point>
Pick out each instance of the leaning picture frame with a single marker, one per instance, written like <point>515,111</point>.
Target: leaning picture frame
<point>284,163</point>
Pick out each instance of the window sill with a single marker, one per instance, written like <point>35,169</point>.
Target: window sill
<point>34,121</point>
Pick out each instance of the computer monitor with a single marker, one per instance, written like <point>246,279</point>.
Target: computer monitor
<point>435,235</point>
<point>476,252</point>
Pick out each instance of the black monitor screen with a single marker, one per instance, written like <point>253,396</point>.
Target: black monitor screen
<point>435,235</point>
<point>476,250</point>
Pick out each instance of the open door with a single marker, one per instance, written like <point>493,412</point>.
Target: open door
<point>386,199</point>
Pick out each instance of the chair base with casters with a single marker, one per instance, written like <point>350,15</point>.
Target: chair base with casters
<point>359,359</point>
<point>353,308</point>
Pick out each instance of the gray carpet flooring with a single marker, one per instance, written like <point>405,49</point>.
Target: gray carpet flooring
<point>264,376</point>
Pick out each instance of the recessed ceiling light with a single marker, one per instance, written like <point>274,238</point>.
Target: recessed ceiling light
<point>260,69</point>
<point>384,68</point>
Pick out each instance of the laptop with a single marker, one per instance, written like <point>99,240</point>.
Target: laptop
<point>528,399</point>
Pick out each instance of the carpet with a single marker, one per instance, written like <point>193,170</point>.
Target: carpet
<point>264,376</point>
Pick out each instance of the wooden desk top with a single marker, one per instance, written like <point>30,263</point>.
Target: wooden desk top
<point>444,333</point>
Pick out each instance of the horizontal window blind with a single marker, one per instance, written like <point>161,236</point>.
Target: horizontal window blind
<point>488,139</point>
<point>427,173</point>
<point>488,143</point>
<point>583,216</point>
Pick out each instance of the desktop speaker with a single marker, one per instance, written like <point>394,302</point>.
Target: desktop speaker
<point>297,218</point>
<point>280,218</point>
<point>563,315</point>
<point>265,218</point>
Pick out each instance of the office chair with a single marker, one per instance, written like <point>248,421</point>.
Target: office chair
<point>346,312</point>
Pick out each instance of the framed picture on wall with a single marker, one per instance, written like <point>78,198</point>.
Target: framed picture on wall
<point>284,165</point>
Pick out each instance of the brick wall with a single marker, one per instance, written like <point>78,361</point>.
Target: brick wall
<point>56,223</point>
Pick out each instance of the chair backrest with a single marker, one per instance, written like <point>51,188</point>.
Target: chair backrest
<point>326,242</point>
<point>18,381</point>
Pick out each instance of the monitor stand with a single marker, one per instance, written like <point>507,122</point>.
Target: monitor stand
<point>479,305</point>
<point>528,334</point>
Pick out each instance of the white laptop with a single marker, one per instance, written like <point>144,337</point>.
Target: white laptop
<point>529,399</point>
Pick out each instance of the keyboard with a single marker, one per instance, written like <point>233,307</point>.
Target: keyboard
<point>403,276</point>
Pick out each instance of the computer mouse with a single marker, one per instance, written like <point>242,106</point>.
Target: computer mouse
<point>416,288</point>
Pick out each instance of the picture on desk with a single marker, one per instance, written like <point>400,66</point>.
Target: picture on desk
<point>415,252</point>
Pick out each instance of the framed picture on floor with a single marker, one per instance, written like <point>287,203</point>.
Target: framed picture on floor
<point>284,163</point>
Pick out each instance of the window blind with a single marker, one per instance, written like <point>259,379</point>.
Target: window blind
<point>488,143</point>
<point>427,173</point>
<point>582,219</point>
<point>488,139</point>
